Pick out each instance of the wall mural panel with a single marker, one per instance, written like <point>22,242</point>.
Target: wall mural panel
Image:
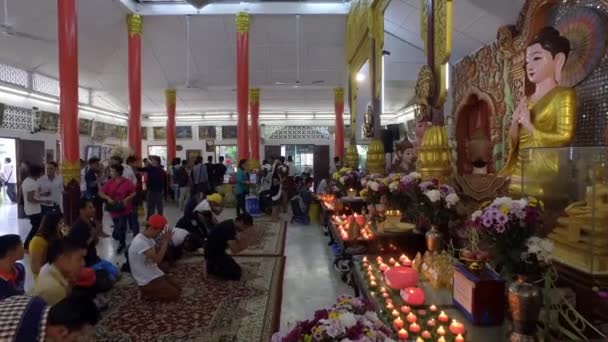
<point>494,78</point>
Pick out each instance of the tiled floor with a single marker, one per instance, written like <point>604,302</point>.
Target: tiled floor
<point>310,282</point>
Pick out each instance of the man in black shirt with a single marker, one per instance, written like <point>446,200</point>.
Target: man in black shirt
<point>220,171</point>
<point>211,174</point>
<point>234,234</point>
<point>86,232</point>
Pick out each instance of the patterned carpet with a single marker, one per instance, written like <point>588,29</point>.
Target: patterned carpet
<point>271,241</point>
<point>209,310</point>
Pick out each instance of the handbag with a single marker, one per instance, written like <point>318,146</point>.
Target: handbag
<point>116,206</point>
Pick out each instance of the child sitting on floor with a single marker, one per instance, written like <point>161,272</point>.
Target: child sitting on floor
<point>144,258</point>
<point>12,274</point>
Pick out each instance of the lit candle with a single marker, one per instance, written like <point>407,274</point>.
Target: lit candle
<point>433,308</point>
<point>383,267</point>
<point>414,328</point>
<point>406,309</point>
<point>431,322</point>
<point>388,300</point>
<point>398,323</point>
<point>371,277</point>
<point>459,338</point>
<point>402,334</point>
<point>383,289</point>
<point>405,261</point>
<point>364,259</point>
<point>392,261</point>
<point>441,330</point>
<point>390,307</point>
<point>441,339</point>
<point>395,313</point>
<point>373,293</point>
<point>426,334</point>
<point>379,259</point>
<point>419,339</point>
<point>370,268</point>
<point>397,264</point>
<point>385,295</point>
<point>457,328</point>
<point>443,318</point>
<point>372,284</point>
<point>411,317</point>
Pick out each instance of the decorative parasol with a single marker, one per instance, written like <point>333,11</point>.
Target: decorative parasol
<point>586,29</point>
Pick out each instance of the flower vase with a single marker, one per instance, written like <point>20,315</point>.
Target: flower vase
<point>524,305</point>
<point>351,193</point>
<point>433,239</point>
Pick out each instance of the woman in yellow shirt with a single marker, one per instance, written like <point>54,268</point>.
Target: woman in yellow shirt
<point>50,230</point>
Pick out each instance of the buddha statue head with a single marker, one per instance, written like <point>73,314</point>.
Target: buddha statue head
<point>546,56</point>
<point>479,152</point>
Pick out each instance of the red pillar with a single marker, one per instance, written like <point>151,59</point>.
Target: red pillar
<point>67,37</point>
<point>254,141</point>
<point>134,26</point>
<point>242,83</point>
<point>339,129</point>
<point>170,97</point>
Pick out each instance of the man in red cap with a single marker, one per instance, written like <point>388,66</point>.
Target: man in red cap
<point>144,257</point>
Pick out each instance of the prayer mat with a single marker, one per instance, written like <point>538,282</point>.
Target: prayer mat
<point>270,240</point>
<point>209,310</point>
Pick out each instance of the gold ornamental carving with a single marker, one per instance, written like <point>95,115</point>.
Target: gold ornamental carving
<point>134,24</point>
<point>170,97</point>
<point>442,42</point>
<point>242,22</point>
<point>254,95</point>
<point>375,157</point>
<point>70,171</point>
<point>352,156</point>
<point>339,95</point>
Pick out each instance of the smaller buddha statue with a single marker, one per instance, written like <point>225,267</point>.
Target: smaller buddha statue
<point>480,185</point>
<point>368,123</point>
<point>405,158</point>
<point>581,237</point>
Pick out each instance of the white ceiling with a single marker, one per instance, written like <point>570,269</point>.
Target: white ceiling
<point>103,52</point>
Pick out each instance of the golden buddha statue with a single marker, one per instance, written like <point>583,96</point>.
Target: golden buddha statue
<point>581,235</point>
<point>367,129</point>
<point>545,119</point>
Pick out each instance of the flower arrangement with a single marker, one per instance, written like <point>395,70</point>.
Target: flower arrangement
<point>396,191</point>
<point>346,179</point>
<point>350,319</point>
<point>438,203</point>
<point>507,225</point>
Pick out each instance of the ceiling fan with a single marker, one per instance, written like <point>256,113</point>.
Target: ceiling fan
<point>8,30</point>
<point>188,84</point>
<point>297,83</point>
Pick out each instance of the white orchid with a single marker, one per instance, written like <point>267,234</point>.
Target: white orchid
<point>502,200</point>
<point>451,200</point>
<point>476,215</point>
<point>415,175</point>
<point>374,186</point>
<point>364,183</point>
<point>393,186</point>
<point>433,195</point>
<point>342,180</point>
<point>541,248</point>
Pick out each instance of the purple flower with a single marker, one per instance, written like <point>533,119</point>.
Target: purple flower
<point>446,190</point>
<point>355,332</point>
<point>500,228</point>
<point>487,221</point>
<point>502,219</point>
<point>321,314</point>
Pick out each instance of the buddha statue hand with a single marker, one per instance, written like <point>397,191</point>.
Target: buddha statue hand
<point>523,116</point>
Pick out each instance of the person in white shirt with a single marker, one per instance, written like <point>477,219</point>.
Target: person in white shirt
<point>144,258</point>
<point>32,201</point>
<point>51,189</point>
<point>128,170</point>
<point>9,175</point>
<point>292,167</point>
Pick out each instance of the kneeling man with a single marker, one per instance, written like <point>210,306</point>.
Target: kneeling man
<point>144,257</point>
<point>234,234</point>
